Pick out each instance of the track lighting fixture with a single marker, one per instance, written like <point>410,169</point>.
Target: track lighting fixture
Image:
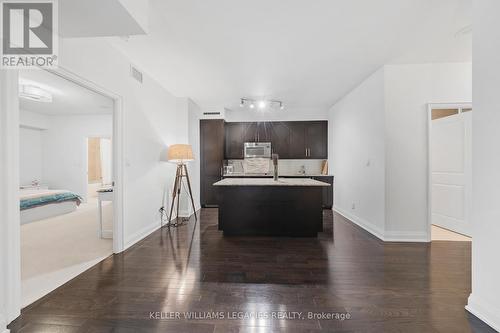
<point>261,104</point>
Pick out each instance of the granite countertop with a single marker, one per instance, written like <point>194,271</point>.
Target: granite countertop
<point>242,174</point>
<point>270,182</point>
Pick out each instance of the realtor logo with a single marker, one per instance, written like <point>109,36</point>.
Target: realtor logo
<point>29,33</point>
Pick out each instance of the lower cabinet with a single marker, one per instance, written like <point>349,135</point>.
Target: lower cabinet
<point>327,191</point>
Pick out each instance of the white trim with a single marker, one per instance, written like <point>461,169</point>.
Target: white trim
<point>10,226</point>
<point>118,159</point>
<point>366,225</point>
<point>3,325</point>
<point>386,236</point>
<point>141,234</point>
<point>484,311</point>
<point>9,180</point>
<point>406,236</point>
<point>430,107</point>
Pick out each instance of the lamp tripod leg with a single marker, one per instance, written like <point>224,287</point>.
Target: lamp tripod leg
<point>190,192</point>
<point>179,186</point>
<point>174,193</point>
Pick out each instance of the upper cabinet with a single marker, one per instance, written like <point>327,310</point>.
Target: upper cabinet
<point>308,140</point>
<point>280,139</point>
<point>234,140</point>
<point>317,139</point>
<point>290,140</point>
<point>298,145</point>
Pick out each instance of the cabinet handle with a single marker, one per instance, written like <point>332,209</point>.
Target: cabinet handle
<point>306,152</point>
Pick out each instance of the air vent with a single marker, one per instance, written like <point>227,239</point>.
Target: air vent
<point>136,74</point>
<point>211,113</point>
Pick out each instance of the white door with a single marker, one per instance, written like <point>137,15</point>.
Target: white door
<point>451,141</point>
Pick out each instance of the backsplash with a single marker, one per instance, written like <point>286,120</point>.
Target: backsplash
<point>286,167</point>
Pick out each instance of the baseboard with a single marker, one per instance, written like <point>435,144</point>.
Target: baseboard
<point>484,311</point>
<point>368,226</point>
<point>3,325</point>
<point>386,236</point>
<point>406,236</point>
<point>107,234</point>
<point>141,234</point>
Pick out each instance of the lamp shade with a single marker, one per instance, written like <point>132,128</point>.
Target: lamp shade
<point>180,153</point>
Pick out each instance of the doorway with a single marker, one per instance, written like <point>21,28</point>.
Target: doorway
<point>450,174</point>
<point>62,226</point>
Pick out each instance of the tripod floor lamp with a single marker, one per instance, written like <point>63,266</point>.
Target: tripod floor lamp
<point>180,154</point>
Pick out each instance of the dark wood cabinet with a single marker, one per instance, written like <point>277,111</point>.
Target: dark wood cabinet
<point>211,159</point>
<point>264,131</point>
<point>327,191</point>
<point>308,140</point>
<point>280,139</point>
<point>298,147</point>
<point>235,138</point>
<point>316,133</point>
<point>290,140</point>
<point>249,132</point>
<point>256,132</point>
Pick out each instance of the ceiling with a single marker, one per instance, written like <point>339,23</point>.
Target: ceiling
<point>306,53</point>
<point>91,18</point>
<point>68,98</point>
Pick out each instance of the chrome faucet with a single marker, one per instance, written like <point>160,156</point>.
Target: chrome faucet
<point>275,158</point>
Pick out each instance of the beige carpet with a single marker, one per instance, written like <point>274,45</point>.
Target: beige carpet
<point>58,248</point>
<point>438,233</point>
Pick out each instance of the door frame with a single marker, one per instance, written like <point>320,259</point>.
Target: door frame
<point>100,136</point>
<point>118,159</point>
<point>430,107</point>
<point>10,247</point>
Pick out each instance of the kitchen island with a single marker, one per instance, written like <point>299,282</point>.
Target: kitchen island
<point>265,207</point>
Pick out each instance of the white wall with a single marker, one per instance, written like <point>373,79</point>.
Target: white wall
<point>406,90</point>
<point>194,139</point>
<point>288,114</point>
<point>151,122</point>
<point>10,256</point>
<point>65,149</point>
<point>30,155</point>
<point>33,120</point>
<point>357,161</point>
<point>484,301</point>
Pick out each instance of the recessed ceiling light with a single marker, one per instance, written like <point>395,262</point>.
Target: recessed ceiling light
<point>34,93</point>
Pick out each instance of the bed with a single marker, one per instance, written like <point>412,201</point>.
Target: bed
<point>38,204</point>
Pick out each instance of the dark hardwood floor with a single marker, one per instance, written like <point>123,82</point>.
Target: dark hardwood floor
<point>382,287</point>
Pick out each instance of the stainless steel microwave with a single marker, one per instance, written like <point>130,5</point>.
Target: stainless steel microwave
<point>258,150</point>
